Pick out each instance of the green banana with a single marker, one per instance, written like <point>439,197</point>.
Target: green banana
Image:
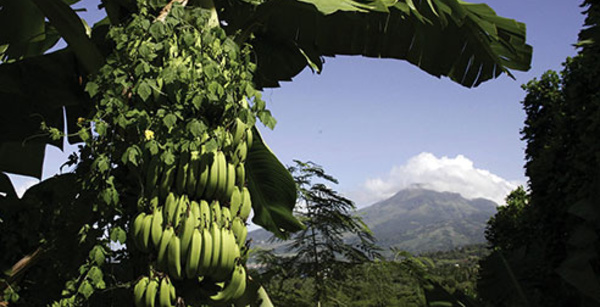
<point>242,287</point>
<point>139,290</point>
<point>195,208</point>
<point>151,291</point>
<point>170,207</point>
<point>205,215</point>
<point>182,172</point>
<point>157,226</point>
<point>234,289</point>
<point>193,174</point>
<point>136,229</point>
<point>235,202</point>
<point>213,176</point>
<point>235,252</point>
<point>174,257</point>
<point>185,234</point>
<point>249,138</point>
<point>222,175</point>
<point>215,232</point>
<point>153,173</point>
<point>241,153</point>
<point>182,207</point>
<point>239,129</point>
<point>230,181</point>
<point>204,168</point>
<point>194,253</point>
<point>166,182</point>
<point>246,204</point>
<point>154,201</point>
<point>240,175</point>
<point>164,293</point>
<point>172,292</point>
<point>144,235</point>
<point>222,270</point>
<point>239,230</point>
<point>225,217</point>
<point>162,248</point>
<point>207,251</point>
<point>215,212</point>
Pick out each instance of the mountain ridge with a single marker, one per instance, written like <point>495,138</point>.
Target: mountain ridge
<point>420,220</point>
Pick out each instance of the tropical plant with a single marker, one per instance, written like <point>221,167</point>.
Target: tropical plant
<point>550,255</point>
<point>154,85</point>
<point>510,226</point>
<point>334,239</point>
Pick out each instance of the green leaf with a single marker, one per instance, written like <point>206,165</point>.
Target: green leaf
<point>170,120</point>
<point>157,30</point>
<point>72,29</point>
<point>267,119</point>
<point>144,90</point>
<point>196,127</point>
<point>95,275</point>
<point>272,189</point>
<point>97,255</point>
<point>168,158</point>
<point>578,271</point>
<point>85,289</point>
<point>152,147</point>
<point>102,164</point>
<point>131,155</point>
<point>117,234</point>
<point>465,42</point>
<point>22,158</point>
<point>91,88</point>
<point>21,25</point>
<point>101,128</point>
<point>84,134</point>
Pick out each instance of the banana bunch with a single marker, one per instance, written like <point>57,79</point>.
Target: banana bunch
<point>193,201</point>
<point>196,224</point>
<point>154,291</point>
<point>203,173</point>
<point>234,288</point>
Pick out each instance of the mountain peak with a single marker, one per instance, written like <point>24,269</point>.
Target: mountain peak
<point>419,219</point>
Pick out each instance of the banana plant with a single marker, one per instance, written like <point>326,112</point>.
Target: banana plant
<point>465,42</point>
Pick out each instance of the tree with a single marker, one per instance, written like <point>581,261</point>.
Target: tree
<point>556,262</point>
<point>137,109</point>
<point>510,227</point>
<point>334,239</point>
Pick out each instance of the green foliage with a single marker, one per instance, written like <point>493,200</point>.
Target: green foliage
<point>273,191</point>
<point>553,250</point>
<point>319,250</point>
<point>47,234</point>
<point>511,227</point>
<point>137,93</point>
<point>404,281</point>
<point>478,45</point>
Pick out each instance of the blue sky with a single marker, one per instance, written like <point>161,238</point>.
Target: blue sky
<point>380,125</point>
<point>362,118</point>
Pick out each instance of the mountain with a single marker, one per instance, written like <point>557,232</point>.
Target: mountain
<point>419,220</point>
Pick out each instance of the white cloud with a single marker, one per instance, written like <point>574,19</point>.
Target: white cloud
<point>425,170</point>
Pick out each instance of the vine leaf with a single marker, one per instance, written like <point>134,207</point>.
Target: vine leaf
<point>272,189</point>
